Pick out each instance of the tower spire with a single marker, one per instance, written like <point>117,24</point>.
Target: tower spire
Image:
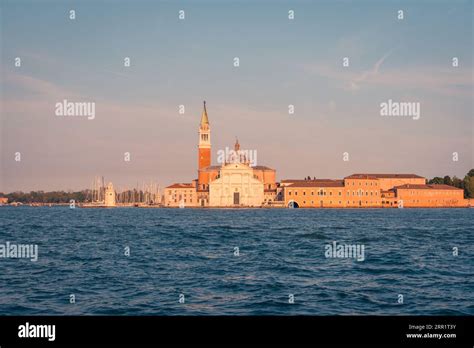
<point>204,118</point>
<point>204,140</point>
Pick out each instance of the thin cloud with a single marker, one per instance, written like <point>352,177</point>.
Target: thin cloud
<point>355,84</point>
<point>441,80</point>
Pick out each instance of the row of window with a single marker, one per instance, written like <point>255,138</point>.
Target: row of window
<point>174,192</point>
<point>319,193</point>
<point>366,183</point>
<point>431,193</point>
<point>180,196</point>
<point>340,202</point>
<point>184,200</point>
<point>323,193</point>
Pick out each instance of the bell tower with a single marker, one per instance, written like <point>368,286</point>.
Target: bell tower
<point>204,153</point>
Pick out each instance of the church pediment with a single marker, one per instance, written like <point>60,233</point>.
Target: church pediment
<point>236,167</point>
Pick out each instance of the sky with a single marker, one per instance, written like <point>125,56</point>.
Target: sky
<point>283,61</point>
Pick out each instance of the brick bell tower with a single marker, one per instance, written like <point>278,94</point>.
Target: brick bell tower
<point>204,154</point>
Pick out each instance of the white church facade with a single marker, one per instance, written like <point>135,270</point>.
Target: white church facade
<point>236,185</point>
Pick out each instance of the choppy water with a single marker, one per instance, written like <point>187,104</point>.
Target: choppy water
<point>282,252</point>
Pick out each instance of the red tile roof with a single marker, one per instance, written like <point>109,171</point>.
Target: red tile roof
<point>426,187</point>
<point>318,183</point>
<point>388,176</point>
<point>362,176</point>
<point>179,185</point>
<point>289,181</point>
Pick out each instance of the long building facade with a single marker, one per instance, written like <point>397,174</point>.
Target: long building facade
<point>236,183</point>
<point>372,191</point>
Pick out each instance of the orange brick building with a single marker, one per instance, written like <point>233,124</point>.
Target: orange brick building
<point>430,196</point>
<point>388,181</point>
<point>371,191</point>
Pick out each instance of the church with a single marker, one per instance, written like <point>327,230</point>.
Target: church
<point>232,183</point>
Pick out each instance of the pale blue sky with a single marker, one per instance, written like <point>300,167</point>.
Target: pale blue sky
<point>184,62</point>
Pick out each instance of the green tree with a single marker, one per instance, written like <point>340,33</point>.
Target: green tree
<point>436,180</point>
<point>458,182</point>
<point>469,186</point>
<point>447,180</point>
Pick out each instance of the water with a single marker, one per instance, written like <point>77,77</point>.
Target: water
<point>191,252</point>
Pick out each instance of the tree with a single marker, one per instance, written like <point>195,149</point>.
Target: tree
<point>436,180</point>
<point>458,182</point>
<point>447,180</point>
<point>469,186</point>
